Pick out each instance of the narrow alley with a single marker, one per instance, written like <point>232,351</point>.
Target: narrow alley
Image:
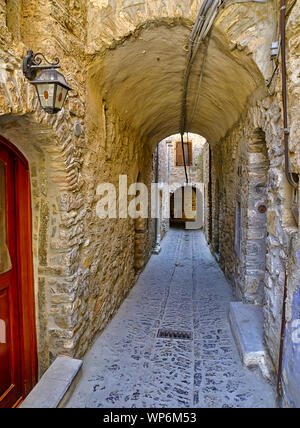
<point>128,366</point>
<point>149,204</point>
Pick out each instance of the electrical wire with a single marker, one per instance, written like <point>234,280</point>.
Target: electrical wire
<point>196,102</point>
<point>184,160</point>
<point>203,24</point>
<point>201,29</point>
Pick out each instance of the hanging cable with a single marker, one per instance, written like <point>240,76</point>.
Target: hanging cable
<point>203,24</point>
<point>184,160</point>
<point>196,102</point>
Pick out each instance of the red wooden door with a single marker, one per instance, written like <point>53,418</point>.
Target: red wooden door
<point>10,353</point>
<point>18,361</point>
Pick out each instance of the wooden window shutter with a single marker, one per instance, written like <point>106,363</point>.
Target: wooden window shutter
<point>190,148</point>
<point>179,154</point>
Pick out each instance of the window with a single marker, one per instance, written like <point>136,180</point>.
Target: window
<point>5,262</point>
<point>188,154</point>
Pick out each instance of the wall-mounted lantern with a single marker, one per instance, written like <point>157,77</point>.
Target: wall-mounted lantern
<point>50,84</point>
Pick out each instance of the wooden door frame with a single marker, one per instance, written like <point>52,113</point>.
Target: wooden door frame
<point>29,362</point>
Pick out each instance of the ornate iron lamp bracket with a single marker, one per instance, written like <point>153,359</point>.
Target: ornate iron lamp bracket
<point>33,62</point>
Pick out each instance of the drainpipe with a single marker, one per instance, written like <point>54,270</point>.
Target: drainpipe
<point>282,334</point>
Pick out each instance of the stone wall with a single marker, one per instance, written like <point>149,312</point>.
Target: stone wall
<point>54,155</point>
<point>163,178</point>
<point>83,266</point>
<point>207,193</point>
<point>247,178</point>
<point>248,193</point>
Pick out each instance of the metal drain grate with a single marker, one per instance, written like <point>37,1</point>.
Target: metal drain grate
<point>174,334</point>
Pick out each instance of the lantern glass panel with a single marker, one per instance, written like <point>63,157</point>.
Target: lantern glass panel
<point>46,93</point>
<point>61,94</point>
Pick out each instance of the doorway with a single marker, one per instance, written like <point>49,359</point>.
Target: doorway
<point>183,206</point>
<point>18,361</point>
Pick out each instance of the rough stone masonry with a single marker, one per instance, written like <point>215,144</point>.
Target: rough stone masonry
<point>125,62</point>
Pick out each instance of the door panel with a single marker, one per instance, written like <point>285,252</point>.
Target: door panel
<point>18,356</point>
<point>10,352</point>
<point>4,342</point>
<point>5,261</point>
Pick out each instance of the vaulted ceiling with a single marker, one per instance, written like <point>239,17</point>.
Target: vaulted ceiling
<point>141,72</point>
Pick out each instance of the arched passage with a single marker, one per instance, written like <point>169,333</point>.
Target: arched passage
<point>138,74</point>
<point>152,61</point>
<point>136,78</point>
<point>49,187</point>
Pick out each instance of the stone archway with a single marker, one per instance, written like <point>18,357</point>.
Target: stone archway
<point>145,45</point>
<point>49,145</point>
<point>52,196</point>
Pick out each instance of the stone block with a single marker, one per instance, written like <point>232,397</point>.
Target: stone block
<point>247,327</point>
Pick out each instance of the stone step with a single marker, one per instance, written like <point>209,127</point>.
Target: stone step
<point>56,385</point>
<point>247,327</point>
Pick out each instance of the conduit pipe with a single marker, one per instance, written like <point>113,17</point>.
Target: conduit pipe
<point>201,28</point>
<point>290,179</point>
<point>282,335</point>
<point>204,21</point>
<point>184,160</point>
<point>286,130</point>
<point>203,24</point>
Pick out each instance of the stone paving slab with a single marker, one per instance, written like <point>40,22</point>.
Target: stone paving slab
<point>130,367</point>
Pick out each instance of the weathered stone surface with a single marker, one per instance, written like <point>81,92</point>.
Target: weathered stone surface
<point>257,268</point>
<point>130,367</point>
<point>247,326</point>
<point>125,63</point>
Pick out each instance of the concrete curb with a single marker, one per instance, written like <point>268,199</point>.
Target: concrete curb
<point>56,385</point>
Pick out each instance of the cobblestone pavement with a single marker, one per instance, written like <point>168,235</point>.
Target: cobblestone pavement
<point>128,366</point>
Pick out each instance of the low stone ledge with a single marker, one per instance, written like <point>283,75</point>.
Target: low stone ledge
<point>55,386</point>
<point>247,327</point>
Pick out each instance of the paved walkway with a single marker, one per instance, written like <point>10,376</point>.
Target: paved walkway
<point>128,366</point>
